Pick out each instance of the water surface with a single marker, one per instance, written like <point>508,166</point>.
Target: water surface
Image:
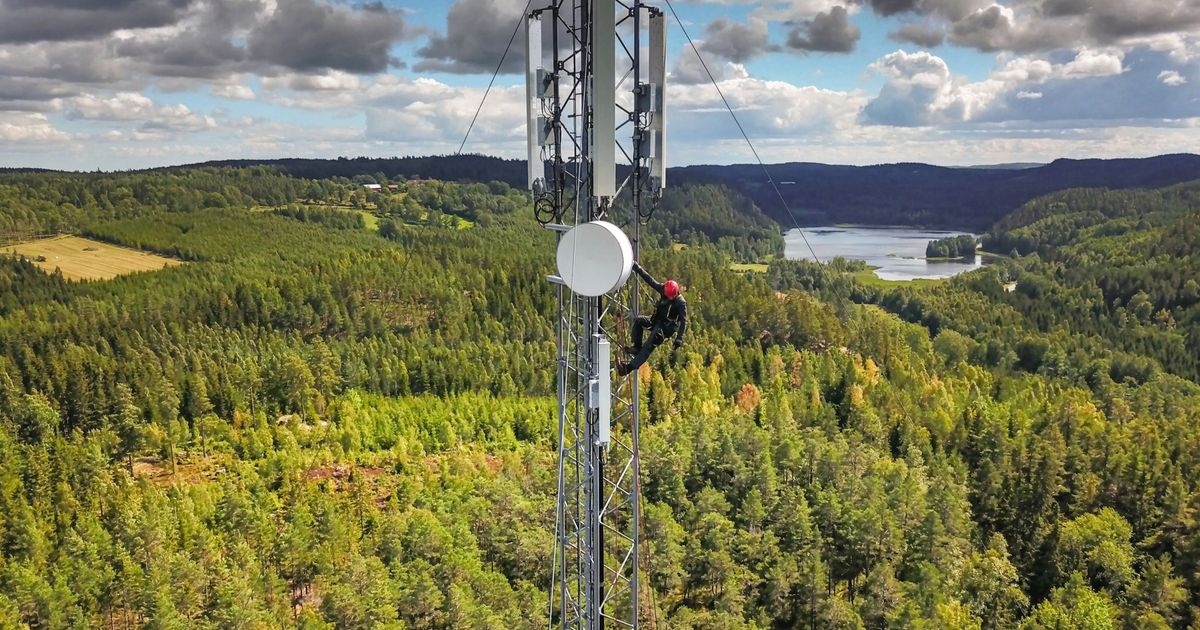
<point>898,253</point>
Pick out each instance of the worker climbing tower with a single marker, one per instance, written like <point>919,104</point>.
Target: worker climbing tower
<point>595,79</point>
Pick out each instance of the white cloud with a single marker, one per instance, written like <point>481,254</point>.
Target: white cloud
<point>800,9</point>
<point>921,90</point>
<point>328,93</point>
<point>1094,63</point>
<point>1182,48</point>
<point>234,92</point>
<point>429,111</point>
<point>127,107</point>
<point>395,91</point>
<point>1172,78</point>
<point>120,106</point>
<point>331,81</point>
<point>697,116</point>
<point>179,118</point>
<point>1023,69</point>
<point>27,128</point>
<point>689,69</point>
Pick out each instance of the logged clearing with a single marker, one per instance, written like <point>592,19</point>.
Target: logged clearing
<point>84,259</point>
<point>751,267</point>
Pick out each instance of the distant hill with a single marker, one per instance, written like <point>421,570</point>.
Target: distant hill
<point>820,194</point>
<point>929,196</point>
<point>1012,166</point>
<point>23,169</point>
<point>471,167</point>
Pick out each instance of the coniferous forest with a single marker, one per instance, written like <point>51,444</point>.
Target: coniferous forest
<point>339,413</point>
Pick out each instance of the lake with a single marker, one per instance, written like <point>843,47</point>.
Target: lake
<point>898,253</point>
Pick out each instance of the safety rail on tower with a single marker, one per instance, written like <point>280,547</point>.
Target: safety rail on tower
<point>595,78</point>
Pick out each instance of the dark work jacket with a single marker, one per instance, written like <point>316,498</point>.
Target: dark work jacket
<point>670,315</point>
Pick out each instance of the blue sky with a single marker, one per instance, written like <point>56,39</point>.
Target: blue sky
<point>115,84</point>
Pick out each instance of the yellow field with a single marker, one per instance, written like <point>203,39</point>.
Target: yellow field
<point>83,259</point>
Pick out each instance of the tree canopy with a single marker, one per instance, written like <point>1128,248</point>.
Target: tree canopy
<point>340,414</point>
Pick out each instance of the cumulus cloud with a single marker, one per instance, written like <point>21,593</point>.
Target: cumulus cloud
<point>892,7</point>
<point>1171,78</point>
<point>1042,25</point>
<point>917,91</point>
<point>311,35</point>
<point>726,47</point>
<point>827,32</point>
<point>1050,24</point>
<point>1088,85</point>
<point>1024,70</point>
<point>952,10</point>
<point>349,93</point>
<point>326,82</point>
<point>785,122</point>
<point>791,11</point>
<point>1111,20</point>
<point>738,42</point>
<point>1135,95</point>
<point>921,90</point>
<point>427,116</point>
<point>28,128</point>
<point>1182,48</point>
<point>234,92</point>
<point>691,69</point>
<point>401,92</point>
<point>1092,63</point>
<point>766,109</point>
<point>22,94</point>
<point>70,62</point>
<point>989,30</point>
<point>919,34</point>
<point>24,21</point>
<point>477,32</point>
<point>136,107</point>
<point>196,44</point>
<point>1061,8</point>
<point>174,118</point>
<point>204,53</point>
<point>122,106</point>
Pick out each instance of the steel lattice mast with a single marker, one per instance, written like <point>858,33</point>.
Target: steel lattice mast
<point>595,81</point>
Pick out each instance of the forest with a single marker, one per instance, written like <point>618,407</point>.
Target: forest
<point>808,194</point>
<point>923,195</point>
<point>961,246</point>
<point>339,413</point>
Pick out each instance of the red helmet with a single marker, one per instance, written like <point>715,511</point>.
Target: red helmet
<point>670,289</point>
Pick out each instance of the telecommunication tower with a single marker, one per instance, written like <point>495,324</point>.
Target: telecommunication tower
<point>595,78</point>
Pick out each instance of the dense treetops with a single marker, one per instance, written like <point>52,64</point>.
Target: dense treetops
<point>316,424</point>
<point>813,194</point>
<point>961,246</point>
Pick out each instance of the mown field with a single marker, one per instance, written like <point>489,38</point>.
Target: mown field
<point>85,259</point>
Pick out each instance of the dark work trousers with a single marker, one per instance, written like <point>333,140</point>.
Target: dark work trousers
<point>643,350</point>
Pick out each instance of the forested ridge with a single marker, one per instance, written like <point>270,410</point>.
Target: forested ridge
<point>924,195</point>
<point>317,424</point>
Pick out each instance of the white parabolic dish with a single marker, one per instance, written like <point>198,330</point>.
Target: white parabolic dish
<point>594,258</point>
